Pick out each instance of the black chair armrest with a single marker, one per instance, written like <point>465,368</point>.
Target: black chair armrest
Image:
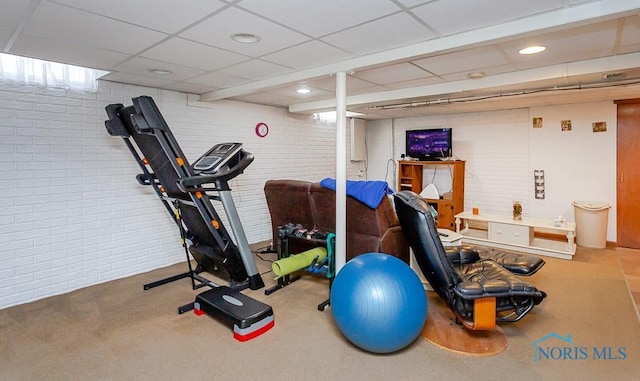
<point>517,263</point>
<point>488,278</point>
<point>461,255</point>
<point>475,290</point>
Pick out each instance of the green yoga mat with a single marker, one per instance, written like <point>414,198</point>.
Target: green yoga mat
<point>292,263</point>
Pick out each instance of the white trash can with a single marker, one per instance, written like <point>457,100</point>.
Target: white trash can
<point>591,223</point>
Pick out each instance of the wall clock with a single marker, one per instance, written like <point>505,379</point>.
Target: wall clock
<point>262,129</point>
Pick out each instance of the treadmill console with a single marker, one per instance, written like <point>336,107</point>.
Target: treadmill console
<point>217,157</point>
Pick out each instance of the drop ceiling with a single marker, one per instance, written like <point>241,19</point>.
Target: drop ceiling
<point>402,57</point>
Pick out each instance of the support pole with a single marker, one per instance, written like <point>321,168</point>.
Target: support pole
<point>341,170</point>
<point>255,280</point>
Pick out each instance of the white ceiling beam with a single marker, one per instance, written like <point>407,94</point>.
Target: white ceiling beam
<point>598,65</point>
<point>565,17</point>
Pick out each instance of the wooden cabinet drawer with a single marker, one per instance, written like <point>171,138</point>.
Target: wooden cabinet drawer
<point>509,233</point>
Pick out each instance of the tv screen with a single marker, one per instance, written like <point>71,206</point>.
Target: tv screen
<point>429,144</point>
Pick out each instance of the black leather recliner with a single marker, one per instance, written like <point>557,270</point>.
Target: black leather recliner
<point>480,292</point>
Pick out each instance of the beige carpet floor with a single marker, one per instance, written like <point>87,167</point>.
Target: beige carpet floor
<point>117,331</point>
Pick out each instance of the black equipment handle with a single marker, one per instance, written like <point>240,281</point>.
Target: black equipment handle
<point>220,178</point>
<point>114,125</point>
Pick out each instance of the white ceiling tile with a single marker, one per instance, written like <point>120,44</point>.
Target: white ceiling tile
<point>255,69</point>
<point>593,40</point>
<point>393,73</point>
<point>217,31</point>
<point>366,90</point>
<point>218,80</point>
<point>629,49</point>
<point>60,51</point>
<point>354,84</point>
<point>375,36</point>
<point>414,83</point>
<point>5,35</point>
<point>190,88</point>
<point>266,98</point>
<point>142,66</point>
<point>307,55</point>
<point>162,15</point>
<point>319,18</point>
<point>454,16</point>
<point>12,12</point>
<point>78,27</point>
<point>463,61</point>
<point>103,34</point>
<point>136,80</point>
<point>631,31</point>
<point>181,51</point>
<point>413,3</point>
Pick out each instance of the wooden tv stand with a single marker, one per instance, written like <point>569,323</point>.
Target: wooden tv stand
<point>410,177</point>
<point>506,233</point>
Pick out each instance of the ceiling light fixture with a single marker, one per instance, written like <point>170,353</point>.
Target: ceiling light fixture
<point>303,90</point>
<point>533,49</point>
<point>161,71</point>
<point>245,38</point>
<point>476,75</point>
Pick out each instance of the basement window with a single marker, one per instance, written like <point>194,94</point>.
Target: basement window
<point>330,116</point>
<point>30,71</point>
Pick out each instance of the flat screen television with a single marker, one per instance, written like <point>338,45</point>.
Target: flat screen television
<point>429,144</point>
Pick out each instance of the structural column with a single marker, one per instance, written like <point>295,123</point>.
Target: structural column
<point>341,170</point>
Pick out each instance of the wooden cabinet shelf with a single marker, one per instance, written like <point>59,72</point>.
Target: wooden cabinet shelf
<point>410,177</point>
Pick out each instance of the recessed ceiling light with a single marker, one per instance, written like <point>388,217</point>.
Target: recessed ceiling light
<point>245,38</point>
<point>476,75</point>
<point>532,49</point>
<point>303,90</point>
<point>160,71</point>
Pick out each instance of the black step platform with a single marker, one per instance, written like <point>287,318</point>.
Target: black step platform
<point>248,317</point>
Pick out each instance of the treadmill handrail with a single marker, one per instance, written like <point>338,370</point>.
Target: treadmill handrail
<point>220,178</point>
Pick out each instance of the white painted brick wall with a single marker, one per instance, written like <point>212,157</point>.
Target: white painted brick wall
<point>380,155</point>
<point>495,147</point>
<point>73,214</point>
<point>502,149</point>
<point>578,164</point>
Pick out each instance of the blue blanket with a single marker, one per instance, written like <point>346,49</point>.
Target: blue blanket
<point>369,193</point>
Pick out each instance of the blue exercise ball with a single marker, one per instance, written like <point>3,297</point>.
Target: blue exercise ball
<point>378,303</point>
